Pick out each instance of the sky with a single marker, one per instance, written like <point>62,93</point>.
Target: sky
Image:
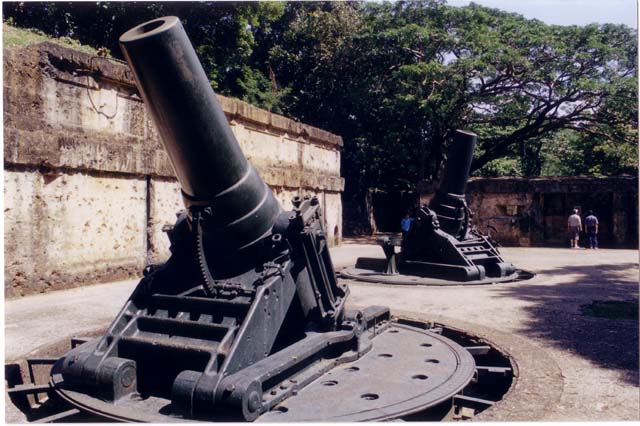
<point>567,12</point>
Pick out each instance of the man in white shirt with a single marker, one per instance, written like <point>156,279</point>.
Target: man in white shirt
<point>574,226</point>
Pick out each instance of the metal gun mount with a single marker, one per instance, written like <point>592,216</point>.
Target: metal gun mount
<point>247,313</point>
<point>441,247</point>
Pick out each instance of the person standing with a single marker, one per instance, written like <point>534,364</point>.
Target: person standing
<point>591,225</point>
<point>574,225</point>
<point>405,224</point>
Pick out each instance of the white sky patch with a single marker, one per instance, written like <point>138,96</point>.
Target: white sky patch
<point>567,12</point>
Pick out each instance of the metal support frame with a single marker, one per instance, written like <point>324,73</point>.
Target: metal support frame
<point>297,399</point>
<point>176,340</point>
<point>441,241</point>
<point>389,247</point>
<point>249,296</point>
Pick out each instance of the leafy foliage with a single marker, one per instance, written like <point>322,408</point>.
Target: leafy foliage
<point>396,79</point>
<point>223,33</point>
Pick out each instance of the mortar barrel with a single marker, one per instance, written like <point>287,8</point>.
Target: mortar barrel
<point>456,173</point>
<point>208,161</point>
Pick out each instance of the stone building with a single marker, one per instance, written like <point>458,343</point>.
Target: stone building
<point>88,186</point>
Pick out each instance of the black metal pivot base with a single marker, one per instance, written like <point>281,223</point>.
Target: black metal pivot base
<point>378,370</point>
<point>474,260</point>
<point>371,270</point>
<point>212,345</point>
<point>408,370</point>
<point>429,251</point>
<point>41,398</point>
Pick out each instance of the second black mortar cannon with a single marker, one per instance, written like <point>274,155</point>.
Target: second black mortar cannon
<point>441,240</point>
<point>247,313</point>
<point>441,243</point>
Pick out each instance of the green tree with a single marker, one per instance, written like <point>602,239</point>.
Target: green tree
<point>396,79</point>
<point>223,33</point>
<point>529,80</point>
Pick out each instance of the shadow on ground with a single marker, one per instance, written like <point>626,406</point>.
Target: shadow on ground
<point>557,316</point>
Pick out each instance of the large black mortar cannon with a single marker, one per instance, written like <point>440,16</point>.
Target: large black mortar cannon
<point>247,312</point>
<point>441,243</point>
<point>441,240</point>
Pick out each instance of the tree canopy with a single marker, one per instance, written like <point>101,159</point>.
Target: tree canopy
<point>396,79</point>
<point>223,33</point>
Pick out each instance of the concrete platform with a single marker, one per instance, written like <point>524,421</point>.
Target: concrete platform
<point>597,358</point>
<point>570,366</point>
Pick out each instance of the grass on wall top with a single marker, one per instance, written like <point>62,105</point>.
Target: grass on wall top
<point>13,37</point>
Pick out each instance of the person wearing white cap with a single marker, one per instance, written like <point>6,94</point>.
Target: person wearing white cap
<point>574,226</point>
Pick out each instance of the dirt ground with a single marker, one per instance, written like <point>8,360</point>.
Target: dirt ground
<point>586,367</point>
<point>597,357</point>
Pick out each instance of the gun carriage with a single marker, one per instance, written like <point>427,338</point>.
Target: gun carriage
<point>246,320</point>
<point>442,247</point>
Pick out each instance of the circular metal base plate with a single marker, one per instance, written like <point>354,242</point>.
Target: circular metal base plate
<point>407,370</point>
<point>371,276</point>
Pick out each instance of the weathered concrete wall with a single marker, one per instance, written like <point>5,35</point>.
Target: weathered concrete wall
<point>88,186</point>
<point>533,212</point>
<point>504,212</point>
<point>52,236</point>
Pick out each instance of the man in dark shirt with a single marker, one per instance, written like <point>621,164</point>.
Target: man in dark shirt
<point>591,225</point>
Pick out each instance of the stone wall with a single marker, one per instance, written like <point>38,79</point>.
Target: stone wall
<point>533,212</point>
<point>88,186</point>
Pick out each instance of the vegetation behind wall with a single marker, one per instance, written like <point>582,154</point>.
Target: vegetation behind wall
<point>395,79</point>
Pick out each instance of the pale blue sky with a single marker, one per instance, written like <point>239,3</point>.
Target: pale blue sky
<point>567,12</point>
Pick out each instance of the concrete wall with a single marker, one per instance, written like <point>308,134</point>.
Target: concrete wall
<point>534,212</point>
<point>525,212</point>
<point>88,186</point>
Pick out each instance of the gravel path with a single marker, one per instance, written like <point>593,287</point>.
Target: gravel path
<point>597,357</point>
<point>584,368</point>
